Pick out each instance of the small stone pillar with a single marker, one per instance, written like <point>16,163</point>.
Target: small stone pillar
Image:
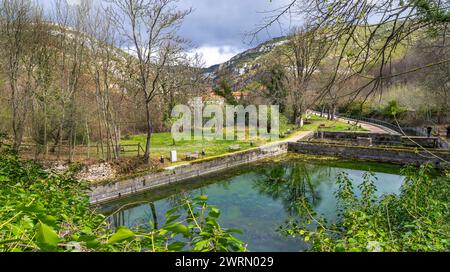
<point>362,141</point>
<point>173,156</point>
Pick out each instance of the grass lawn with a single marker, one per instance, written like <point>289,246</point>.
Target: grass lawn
<point>161,143</point>
<point>330,125</point>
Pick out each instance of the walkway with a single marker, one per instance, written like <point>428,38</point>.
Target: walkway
<point>372,128</point>
<point>305,134</point>
<point>298,136</point>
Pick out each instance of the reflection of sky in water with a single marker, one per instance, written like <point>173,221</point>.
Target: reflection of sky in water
<point>258,215</point>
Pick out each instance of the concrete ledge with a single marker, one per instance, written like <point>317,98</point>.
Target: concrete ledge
<point>117,189</point>
<point>377,138</point>
<point>384,138</point>
<point>380,154</point>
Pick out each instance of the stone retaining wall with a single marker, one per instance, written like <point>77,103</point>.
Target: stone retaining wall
<point>377,138</point>
<point>117,189</point>
<point>392,155</point>
<point>385,139</point>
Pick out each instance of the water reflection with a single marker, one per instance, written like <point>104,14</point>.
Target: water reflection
<point>291,183</point>
<point>256,199</point>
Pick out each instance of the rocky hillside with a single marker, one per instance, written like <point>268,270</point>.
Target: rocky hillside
<point>243,69</point>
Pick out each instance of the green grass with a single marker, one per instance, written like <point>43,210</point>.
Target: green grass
<point>162,144</point>
<point>330,125</point>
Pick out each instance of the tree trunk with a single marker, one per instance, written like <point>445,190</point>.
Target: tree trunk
<point>333,112</point>
<point>149,133</point>
<point>294,115</point>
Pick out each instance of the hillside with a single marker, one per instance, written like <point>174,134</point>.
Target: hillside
<point>243,72</point>
<point>243,68</point>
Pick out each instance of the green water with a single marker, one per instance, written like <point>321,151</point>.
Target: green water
<point>259,198</point>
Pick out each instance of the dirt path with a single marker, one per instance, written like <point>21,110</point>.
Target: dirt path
<point>298,136</point>
<point>372,128</point>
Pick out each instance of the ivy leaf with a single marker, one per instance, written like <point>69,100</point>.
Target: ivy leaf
<point>121,234</point>
<point>214,212</point>
<point>234,231</point>
<point>201,245</point>
<point>177,246</point>
<point>201,198</point>
<point>46,236</point>
<point>177,228</point>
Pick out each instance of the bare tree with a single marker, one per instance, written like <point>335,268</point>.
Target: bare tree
<point>103,60</point>
<point>306,50</point>
<point>16,30</point>
<point>371,31</point>
<point>149,28</point>
<point>40,77</point>
<point>70,32</point>
<point>182,79</point>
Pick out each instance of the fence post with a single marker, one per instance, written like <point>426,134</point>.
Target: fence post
<point>139,149</point>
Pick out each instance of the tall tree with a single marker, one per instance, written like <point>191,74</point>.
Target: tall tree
<point>18,26</point>
<point>149,29</point>
<point>367,35</point>
<point>306,50</point>
<point>103,59</point>
<point>275,82</point>
<point>71,44</point>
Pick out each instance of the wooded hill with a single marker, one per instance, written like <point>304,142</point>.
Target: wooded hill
<point>272,70</point>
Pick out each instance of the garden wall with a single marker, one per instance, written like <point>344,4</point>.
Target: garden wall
<point>120,188</point>
<point>385,139</point>
<point>377,138</point>
<point>116,189</point>
<point>391,155</point>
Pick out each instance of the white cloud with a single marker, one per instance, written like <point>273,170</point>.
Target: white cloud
<point>73,2</point>
<point>216,54</point>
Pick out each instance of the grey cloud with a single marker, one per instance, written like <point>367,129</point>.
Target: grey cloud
<point>218,23</point>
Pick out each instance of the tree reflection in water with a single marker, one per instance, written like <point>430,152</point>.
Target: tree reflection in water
<point>292,183</point>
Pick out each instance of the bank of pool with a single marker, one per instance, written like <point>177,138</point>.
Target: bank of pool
<point>258,198</point>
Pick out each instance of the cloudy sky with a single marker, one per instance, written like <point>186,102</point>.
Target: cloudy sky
<point>216,28</point>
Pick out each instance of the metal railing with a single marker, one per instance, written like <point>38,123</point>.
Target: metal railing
<point>372,121</point>
<point>389,127</point>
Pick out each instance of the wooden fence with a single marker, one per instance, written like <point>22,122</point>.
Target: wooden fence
<point>77,153</point>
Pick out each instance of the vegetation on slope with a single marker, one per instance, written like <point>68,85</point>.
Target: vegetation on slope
<point>416,220</point>
<point>42,211</point>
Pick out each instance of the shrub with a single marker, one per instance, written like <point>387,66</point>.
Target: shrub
<point>42,211</point>
<point>415,220</point>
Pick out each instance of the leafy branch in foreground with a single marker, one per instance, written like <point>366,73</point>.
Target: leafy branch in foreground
<point>42,211</point>
<point>415,220</point>
<point>194,221</point>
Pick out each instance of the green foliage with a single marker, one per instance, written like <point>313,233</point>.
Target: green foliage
<point>226,92</point>
<point>393,109</point>
<point>42,211</point>
<point>194,220</point>
<point>275,83</point>
<point>432,10</point>
<point>355,109</point>
<point>416,220</point>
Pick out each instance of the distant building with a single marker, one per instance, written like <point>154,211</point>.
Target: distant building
<point>212,98</point>
<point>240,95</point>
<point>209,98</point>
